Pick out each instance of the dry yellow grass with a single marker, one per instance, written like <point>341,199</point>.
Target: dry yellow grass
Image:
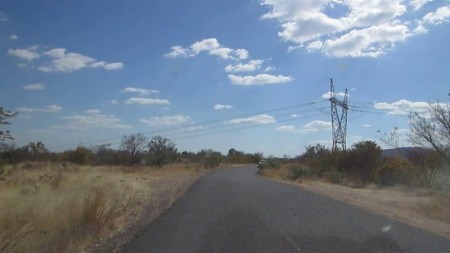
<point>422,208</point>
<point>67,208</point>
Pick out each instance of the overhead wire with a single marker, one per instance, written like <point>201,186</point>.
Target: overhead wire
<point>116,140</point>
<point>224,125</point>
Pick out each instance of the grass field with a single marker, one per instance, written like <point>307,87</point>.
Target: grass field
<point>63,207</point>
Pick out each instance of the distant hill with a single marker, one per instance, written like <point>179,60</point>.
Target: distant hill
<point>402,152</point>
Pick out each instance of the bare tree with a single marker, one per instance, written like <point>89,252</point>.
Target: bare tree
<point>133,143</point>
<point>4,115</point>
<point>432,130</point>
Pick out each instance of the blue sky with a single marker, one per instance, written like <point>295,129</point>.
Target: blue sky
<point>251,75</point>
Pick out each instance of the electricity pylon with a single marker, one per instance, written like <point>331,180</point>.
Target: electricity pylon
<point>338,120</point>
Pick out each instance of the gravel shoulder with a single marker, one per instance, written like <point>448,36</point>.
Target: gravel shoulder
<point>402,204</point>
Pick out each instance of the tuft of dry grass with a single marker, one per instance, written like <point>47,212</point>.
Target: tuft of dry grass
<point>438,208</point>
<point>67,208</point>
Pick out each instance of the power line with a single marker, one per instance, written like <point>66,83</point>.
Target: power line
<point>200,124</point>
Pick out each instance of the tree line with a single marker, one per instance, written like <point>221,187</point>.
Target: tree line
<point>135,149</point>
<point>427,164</point>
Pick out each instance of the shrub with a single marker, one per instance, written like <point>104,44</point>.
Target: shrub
<point>298,171</point>
<point>161,150</point>
<point>361,161</point>
<point>212,159</point>
<point>81,155</point>
<point>397,171</point>
<point>333,176</point>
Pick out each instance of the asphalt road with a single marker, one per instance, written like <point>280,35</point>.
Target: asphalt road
<point>235,210</point>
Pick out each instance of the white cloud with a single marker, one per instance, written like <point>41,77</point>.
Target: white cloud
<point>242,54</point>
<point>50,109</point>
<point>92,119</point>
<point>34,86</point>
<point>147,101</point>
<point>315,126</point>
<point>403,107</point>
<point>222,107</point>
<point>287,129</point>
<point>25,54</point>
<point>58,60</point>
<point>113,66</point>
<point>140,91</point>
<point>113,102</point>
<point>13,37</point>
<point>295,116</point>
<point>166,120</point>
<point>367,125</point>
<point>68,62</point>
<point>92,111</point>
<point>257,119</point>
<point>441,15</point>
<point>259,79</point>
<point>418,4</point>
<point>244,67</point>
<point>178,51</point>
<point>210,46</point>
<point>369,42</point>
<point>365,29</point>
<point>327,95</point>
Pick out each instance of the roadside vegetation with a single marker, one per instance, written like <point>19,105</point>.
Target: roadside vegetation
<point>92,199</point>
<point>424,167</point>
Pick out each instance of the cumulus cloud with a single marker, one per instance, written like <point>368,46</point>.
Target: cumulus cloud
<point>13,37</point>
<point>222,107</point>
<point>441,15</point>
<point>49,108</point>
<point>210,46</point>
<point>418,4</point>
<point>287,129</point>
<point>166,120</point>
<point>92,111</point>
<point>147,101</point>
<point>140,91</point>
<point>34,86</point>
<point>403,107</point>
<point>244,67</point>
<point>316,126</point>
<point>58,60</point>
<point>26,53</point>
<point>90,119</point>
<point>366,29</point>
<point>262,119</point>
<point>260,79</point>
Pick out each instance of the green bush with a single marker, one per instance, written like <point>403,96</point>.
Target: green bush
<point>212,160</point>
<point>333,176</point>
<point>397,172</point>
<point>299,171</point>
<point>81,155</point>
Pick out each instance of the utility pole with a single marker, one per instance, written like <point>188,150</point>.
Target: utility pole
<point>338,120</point>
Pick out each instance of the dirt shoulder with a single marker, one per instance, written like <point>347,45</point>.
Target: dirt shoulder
<point>418,208</point>
<point>166,189</point>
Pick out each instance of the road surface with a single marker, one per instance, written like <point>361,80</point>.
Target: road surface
<point>235,210</point>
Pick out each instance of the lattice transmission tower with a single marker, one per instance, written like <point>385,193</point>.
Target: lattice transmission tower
<point>338,119</point>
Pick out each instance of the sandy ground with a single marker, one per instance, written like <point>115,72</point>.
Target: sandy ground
<point>394,202</point>
<point>166,189</point>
